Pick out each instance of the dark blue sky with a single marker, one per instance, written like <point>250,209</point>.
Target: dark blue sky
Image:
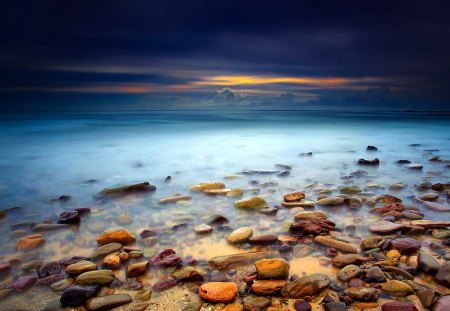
<point>108,55</point>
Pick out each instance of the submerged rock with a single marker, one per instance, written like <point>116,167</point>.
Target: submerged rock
<point>240,235</point>
<point>100,277</point>
<point>428,264</point>
<point>313,226</point>
<point>107,302</point>
<point>127,189</point>
<point>342,246</point>
<point>76,295</point>
<point>331,201</point>
<point>397,288</point>
<point>121,236</point>
<point>250,203</point>
<point>23,283</point>
<point>272,269</point>
<point>375,161</point>
<point>267,287</point>
<point>218,291</point>
<point>306,287</point>
<point>405,246</point>
<point>208,186</point>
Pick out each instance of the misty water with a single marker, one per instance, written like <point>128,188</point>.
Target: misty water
<point>44,156</point>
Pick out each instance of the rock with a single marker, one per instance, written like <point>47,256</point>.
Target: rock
<point>218,291</point>
<point>175,199</point>
<point>388,199</point>
<point>240,235</point>
<point>235,193</point>
<point>387,227</point>
<point>436,206</point>
<point>272,269</point>
<point>137,269</point>
<point>344,260</point>
<point>443,304</point>
<point>405,246</point>
<point>166,258</point>
<point>331,201</point>
<point>230,261</point>
<point>302,203</point>
<point>61,285</point>
<point>127,189</point>
<point>430,224</point>
<point>429,196</point>
<point>267,287</point>
<point>375,275</point>
<point>305,215</point>
<point>294,196</point>
<point>375,161</point>
<point>30,242</point>
<point>428,264</point>
<point>349,272</point>
<point>398,306</point>
<point>232,307</point>
<point>217,276</point>
<point>440,233</point>
<point>164,284</point>
<point>187,274</point>
<point>216,219</point>
<point>342,246</point>
<point>81,267</point>
<point>250,203</point>
<point>397,288</point>
<point>51,279</point>
<point>203,229</point>
<point>411,215</point>
<point>107,302</point>
<point>76,295</point>
<point>258,172</point>
<point>69,217</point>
<point>143,294</point>
<point>302,250</point>
<point>23,283</point>
<point>307,286</point>
<point>263,239</point>
<point>101,277</point>
<point>398,272</point>
<point>442,277</point>
<point>150,241</point>
<point>335,306</point>
<point>313,226</point>
<point>5,266</point>
<point>124,219</point>
<point>397,186</point>
<point>372,242</point>
<point>394,207</point>
<point>350,189</point>
<point>121,236</point>
<point>49,227</point>
<point>414,166</point>
<point>49,268</point>
<point>112,261</point>
<point>302,305</point>
<point>207,186</point>
<point>5,292</point>
<point>362,293</point>
<point>107,249</point>
<point>253,303</point>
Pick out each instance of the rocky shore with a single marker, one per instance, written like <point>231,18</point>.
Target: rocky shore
<point>355,245</point>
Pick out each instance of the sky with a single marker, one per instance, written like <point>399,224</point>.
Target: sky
<point>133,55</point>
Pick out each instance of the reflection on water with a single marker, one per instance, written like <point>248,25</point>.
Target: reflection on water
<point>44,157</point>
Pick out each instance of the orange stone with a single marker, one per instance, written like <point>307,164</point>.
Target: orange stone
<point>121,236</point>
<point>294,196</point>
<point>30,242</point>
<point>267,287</point>
<point>233,307</point>
<point>218,291</point>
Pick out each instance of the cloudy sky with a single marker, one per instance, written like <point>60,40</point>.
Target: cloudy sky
<point>112,55</point>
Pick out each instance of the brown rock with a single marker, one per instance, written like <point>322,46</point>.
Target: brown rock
<point>387,198</point>
<point>233,307</point>
<point>267,287</point>
<point>313,226</point>
<point>263,239</point>
<point>343,260</point>
<point>121,236</point>
<point>112,261</point>
<point>107,302</point>
<point>272,269</point>
<point>30,242</point>
<point>397,207</point>
<point>81,267</point>
<point>137,269</point>
<point>175,199</point>
<point>397,288</point>
<point>203,229</point>
<point>306,287</point>
<point>294,196</point>
<point>207,186</point>
<point>101,277</point>
<point>362,293</point>
<point>250,203</point>
<point>387,227</point>
<point>218,291</point>
<point>430,224</point>
<point>305,215</point>
<point>405,246</point>
<point>372,242</point>
<point>230,261</point>
<point>342,246</point>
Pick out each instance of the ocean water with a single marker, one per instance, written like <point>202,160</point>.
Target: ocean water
<point>46,155</point>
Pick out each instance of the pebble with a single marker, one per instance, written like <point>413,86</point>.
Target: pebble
<point>342,246</point>
<point>335,306</point>
<point>124,219</point>
<point>349,272</point>
<point>375,275</point>
<point>306,286</point>
<point>107,302</point>
<point>112,261</point>
<point>137,269</point>
<point>203,229</point>
<point>107,249</point>
<point>218,291</point>
<point>240,235</point>
<point>397,288</point>
<point>405,246</point>
<point>101,277</point>
<point>76,295</point>
<point>443,304</point>
<point>30,242</point>
<point>250,203</point>
<point>428,264</point>
<point>272,269</point>
<point>121,236</point>
<point>81,267</point>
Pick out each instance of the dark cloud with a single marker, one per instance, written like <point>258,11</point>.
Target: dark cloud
<point>67,50</point>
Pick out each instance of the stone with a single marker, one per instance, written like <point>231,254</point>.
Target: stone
<point>187,274</point>
<point>233,307</point>
<point>388,199</point>
<point>394,207</point>
<point>342,246</point>
<point>23,283</point>
<point>137,269</point>
<point>30,242</point>
<point>124,219</point>
<point>235,193</point>
<point>250,203</point>
<point>121,236</point>
<point>263,239</point>
<point>372,242</point>
<point>432,196</point>
<point>362,293</point>
<point>61,285</point>
<point>107,249</point>
<point>387,227</point>
<point>305,287</point>
<point>218,291</point>
<point>302,250</point>
<point>428,264</point>
<point>143,294</point>
<point>302,305</point>
<point>442,277</point>
<point>305,215</point>
<point>375,161</point>
<point>49,268</point>
<point>101,277</point>
<point>150,241</point>
<point>203,229</point>
<point>350,189</point>
<point>398,306</point>
<point>127,189</point>
<point>347,259</point>
<point>443,304</point>
<point>81,267</point>
<point>430,224</point>
<point>5,292</point>
<point>207,186</point>
<point>335,306</point>
<point>267,287</point>
<point>294,196</point>
<point>313,226</point>
<point>69,217</point>
<point>411,215</point>
<point>175,199</point>
<point>5,266</point>
<point>375,275</point>
<point>397,288</point>
<point>49,227</point>
<point>436,206</point>
<point>112,261</point>
<point>163,285</point>
<point>107,302</point>
<point>166,258</point>
<point>76,295</point>
<point>414,166</point>
<point>235,260</point>
<point>349,272</point>
<point>331,201</point>
<point>405,246</point>
<point>254,303</point>
<point>240,235</point>
<point>272,269</point>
